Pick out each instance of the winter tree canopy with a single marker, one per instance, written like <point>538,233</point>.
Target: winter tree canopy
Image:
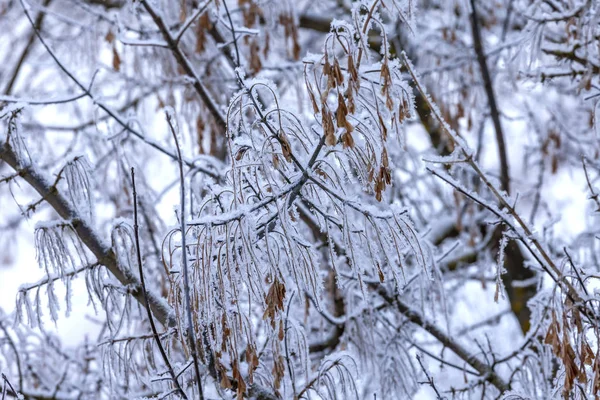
<point>273,199</point>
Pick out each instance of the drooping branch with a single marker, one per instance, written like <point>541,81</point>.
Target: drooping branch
<point>161,310</point>
<point>514,260</point>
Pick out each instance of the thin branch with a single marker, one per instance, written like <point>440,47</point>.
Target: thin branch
<point>145,292</point>
<point>185,63</point>
<point>191,335</point>
<point>235,44</point>
<point>430,381</point>
<point>39,20</point>
<point>4,391</point>
<point>442,361</point>
<point>34,102</point>
<point>287,353</point>
<point>191,20</point>
<point>593,194</point>
<point>55,277</point>
<point>489,90</point>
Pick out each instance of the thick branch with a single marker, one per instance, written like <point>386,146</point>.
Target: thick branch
<point>104,254</point>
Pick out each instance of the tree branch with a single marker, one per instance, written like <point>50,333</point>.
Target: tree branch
<point>185,63</point>
<point>485,370</point>
<point>86,233</point>
<point>136,230</point>
<point>489,90</point>
<point>39,20</point>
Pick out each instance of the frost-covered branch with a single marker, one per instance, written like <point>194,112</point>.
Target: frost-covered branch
<point>184,62</point>
<point>486,371</point>
<point>86,233</point>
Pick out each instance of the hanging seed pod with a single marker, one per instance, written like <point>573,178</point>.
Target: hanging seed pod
<point>352,70</point>
<point>341,111</point>
<point>347,140</point>
<point>350,96</point>
<point>286,148</point>
<point>255,61</point>
<point>337,73</point>
<point>328,127</point>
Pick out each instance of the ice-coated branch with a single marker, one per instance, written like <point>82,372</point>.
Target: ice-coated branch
<point>185,63</point>
<point>191,335</point>
<point>113,114</point>
<point>86,233</point>
<point>486,371</point>
<point>489,90</point>
<point>520,227</point>
<point>145,291</point>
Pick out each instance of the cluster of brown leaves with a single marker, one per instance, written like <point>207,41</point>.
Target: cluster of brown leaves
<point>255,60</point>
<point>251,12</point>
<point>384,176</point>
<point>116,61</point>
<point>335,79</point>
<point>203,25</point>
<point>286,148</point>
<point>274,304</point>
<point>342,121</point>
<point>558,338</point>
<point>228,345</point>
<point>274,301</point>
<point>551,148</point>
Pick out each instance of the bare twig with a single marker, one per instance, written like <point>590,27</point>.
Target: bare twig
<point>430,381</point>
<point>593,194</point>
<point>7,382</point>
<point>53,278</point>
<point>200,10</point>
<point>39,19</point>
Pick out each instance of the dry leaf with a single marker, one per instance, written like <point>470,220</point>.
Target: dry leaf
<point>116,60</point>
